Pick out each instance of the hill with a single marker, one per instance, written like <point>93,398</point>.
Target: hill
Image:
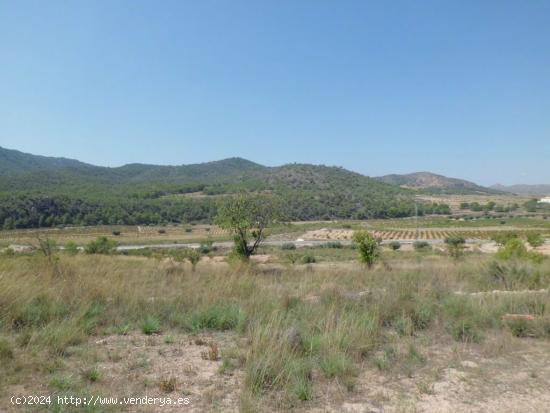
<point>521,189</point>
<point>42,191</point>
<point>433,183</point>
<point>14,162</point>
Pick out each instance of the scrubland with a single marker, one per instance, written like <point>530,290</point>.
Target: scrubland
<point>417,332</point>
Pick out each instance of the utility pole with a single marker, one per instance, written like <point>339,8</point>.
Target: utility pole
<point>416,218</point>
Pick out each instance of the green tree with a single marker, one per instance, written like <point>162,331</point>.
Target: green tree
<point>193,256</point>
<point>514,248</point>
<point>455,246</point>
<point>369,250</point>
<point>247,218</point>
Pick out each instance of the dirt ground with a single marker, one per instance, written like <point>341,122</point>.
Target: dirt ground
<point>504,374</point>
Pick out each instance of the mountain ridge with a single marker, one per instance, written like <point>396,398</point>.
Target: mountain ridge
<point>37,168</point>
<point>435,183</point>
<point>40,191</point>
<point>524,189</point>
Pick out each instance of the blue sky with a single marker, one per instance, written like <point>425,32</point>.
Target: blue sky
<point>460,88</point>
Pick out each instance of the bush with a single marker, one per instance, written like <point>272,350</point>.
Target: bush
<point>162,231</point>
<point>421,246</point>
<point>150,326</point>
<point>92,375</point>
<point>207,247</point>
<point>219,317</point>
<point>514,274</point>
<point>519,328</point>
<point>332,244</point>
<point>367,246</point>
<point>503,237</point>
<point>535,239</point>
<point>116,233</point>
<point>8,252</point>
<point>455,240</point>
<point>514,248</point>
<point>102,245</point>
<point>288,246</point>
<point>394,245</point>
<point>308,258</point>
<point>71,248</point>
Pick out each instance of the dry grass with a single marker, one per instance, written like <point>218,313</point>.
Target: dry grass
<point>300,328</point>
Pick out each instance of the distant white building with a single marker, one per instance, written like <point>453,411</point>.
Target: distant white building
<point>545,200</point>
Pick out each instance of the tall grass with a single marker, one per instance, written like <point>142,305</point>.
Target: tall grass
<point>299,324</point>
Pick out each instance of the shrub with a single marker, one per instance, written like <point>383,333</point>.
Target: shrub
<point>102,245</point>
<point>292,257</point>
<point>92,375</point>
<point>513,248</point>
<point>162,231</point>
<point>519,328</point>
<point>150,326</point>
<point>206,247</point>
<point>513,274</point>
<point>503,237</point>
<point>535,239</point>
<point>71,248</point>
<point>367,246</point>
<point>394,245</point>
<point>116,233</point>
<point>332,244</point>
<point>308,258</point>
<point>423,315</point>
<point>9,252</point>
<point>421,246</point>
<point>288,246</point>
<point>217,317</point>
<point>455,240</point>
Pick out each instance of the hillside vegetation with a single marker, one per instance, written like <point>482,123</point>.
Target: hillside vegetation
<point>38,191</point>
<point>437,184</point>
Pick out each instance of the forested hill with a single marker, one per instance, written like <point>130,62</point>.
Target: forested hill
<point>42,191</point>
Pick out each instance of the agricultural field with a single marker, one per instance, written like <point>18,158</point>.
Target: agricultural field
<point>454,201</point>
<point>124,234</point>
<point>429,228</point>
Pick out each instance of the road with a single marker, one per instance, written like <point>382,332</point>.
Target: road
<point>228,244</point>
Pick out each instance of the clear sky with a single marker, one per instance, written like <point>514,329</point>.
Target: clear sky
<point>459,87</point>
